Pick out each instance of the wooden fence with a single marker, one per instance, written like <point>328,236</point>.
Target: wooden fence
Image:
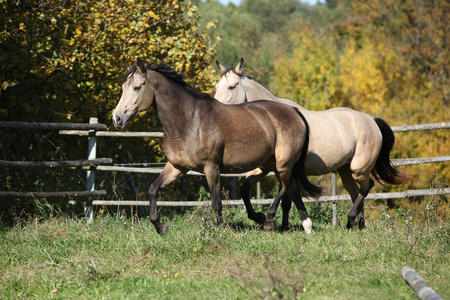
<point>93,164</point>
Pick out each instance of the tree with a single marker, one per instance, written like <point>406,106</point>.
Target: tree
<point>67,56</point>
<point>62,61</point>
<point>416,30</point>
<point>307,72</point>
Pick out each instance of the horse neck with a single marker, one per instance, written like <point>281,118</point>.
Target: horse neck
<point>256,91</point>
<point>174,104</point>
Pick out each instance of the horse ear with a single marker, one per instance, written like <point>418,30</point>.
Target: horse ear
<point>140,66</point>
<point>126,65</point>
<point>222,69</point>
<point>239,66</point>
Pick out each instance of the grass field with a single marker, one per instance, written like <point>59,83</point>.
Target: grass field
<point>119,257</point>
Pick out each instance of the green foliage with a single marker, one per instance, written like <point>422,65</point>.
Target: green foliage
<point>203,194</point>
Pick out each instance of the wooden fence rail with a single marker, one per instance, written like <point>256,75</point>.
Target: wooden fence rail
<point>69,194</point>
<point>157,170</point>
<point>372,196</point>
<point>56,164</point>
<point>421,127</point>
<point>80,132</point>
<point>94,130</point>
<point>54,126</point>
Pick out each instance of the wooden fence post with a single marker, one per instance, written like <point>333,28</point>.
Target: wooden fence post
<point>334,193</point>
<point>90,174</point>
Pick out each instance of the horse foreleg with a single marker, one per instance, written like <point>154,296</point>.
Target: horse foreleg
<point>213,177</point>
<point>252,178</point>
<point>168,175</point>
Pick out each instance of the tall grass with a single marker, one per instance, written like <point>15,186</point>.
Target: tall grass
<point>123,257</point>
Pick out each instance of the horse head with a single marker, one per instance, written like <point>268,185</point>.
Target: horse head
<point>136,95</point>
<point>230,88</point>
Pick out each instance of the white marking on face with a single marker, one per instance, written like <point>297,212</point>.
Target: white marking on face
<point>124,88</point>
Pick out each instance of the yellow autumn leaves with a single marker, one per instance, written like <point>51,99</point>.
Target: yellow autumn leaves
<point>317,78</point>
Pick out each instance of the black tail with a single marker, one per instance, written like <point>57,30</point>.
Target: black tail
<point>298,172</point>
<point>383,167</point>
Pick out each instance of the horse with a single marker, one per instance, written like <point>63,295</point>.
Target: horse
<point>342,139</point>
<point>207,136</point>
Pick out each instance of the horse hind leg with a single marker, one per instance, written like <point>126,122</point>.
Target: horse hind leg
<point>252,178</point>
<point>269,224</point>
<point>360,215</point>
<point>357,210</point>
<point>286,204</point>
<point>352,188</point>
<point>294,194</point>
<point>285,181</point>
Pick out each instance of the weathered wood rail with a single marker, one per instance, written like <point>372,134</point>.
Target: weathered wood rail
<point>93,164</point>
<point>373,196</point>
<point>56,164</point>
<point>54,126</point>
<point>419,285</point>
<point>69,194</point>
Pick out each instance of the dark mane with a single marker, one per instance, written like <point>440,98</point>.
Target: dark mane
<point>170,73</point>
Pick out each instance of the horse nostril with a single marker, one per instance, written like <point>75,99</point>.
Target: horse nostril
<point>117,120</point>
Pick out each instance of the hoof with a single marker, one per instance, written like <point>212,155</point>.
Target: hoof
<point>284,228</point>
<point>260,218</point>
<point>361,223</point>
<point>351,224</point>
<point>269,226</point>
<point>162,229</point>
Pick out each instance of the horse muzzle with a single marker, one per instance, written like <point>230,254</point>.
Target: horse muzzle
<point>120,121</point>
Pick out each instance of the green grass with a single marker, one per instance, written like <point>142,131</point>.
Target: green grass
<point>123,258</point>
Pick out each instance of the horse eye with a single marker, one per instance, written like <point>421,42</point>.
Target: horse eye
<point>137,88</point>
<point>232,87</point>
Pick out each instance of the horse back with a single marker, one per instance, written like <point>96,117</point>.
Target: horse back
<point>260,128</point>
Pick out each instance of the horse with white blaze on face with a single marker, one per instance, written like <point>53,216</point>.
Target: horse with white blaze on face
<point>205,135</point>
<point>342,139</point>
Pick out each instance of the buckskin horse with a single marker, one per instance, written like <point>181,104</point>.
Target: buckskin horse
<point>341,139</point>
<point>205,135</point>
